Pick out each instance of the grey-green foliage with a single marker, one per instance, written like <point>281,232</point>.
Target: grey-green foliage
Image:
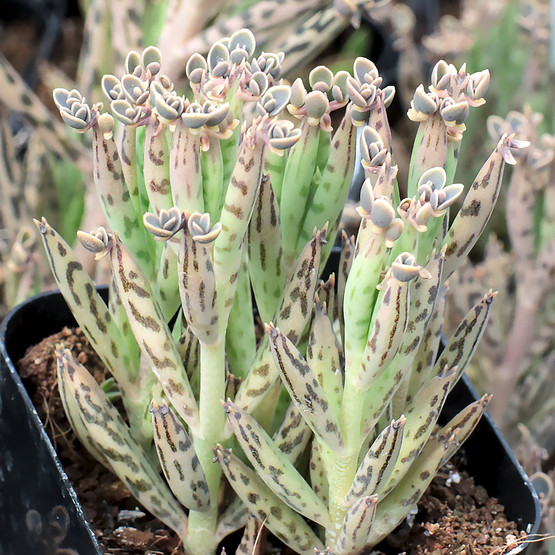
<point>178,180</point>
<point>184,184</point>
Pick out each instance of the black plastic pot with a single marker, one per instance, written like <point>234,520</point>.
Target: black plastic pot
<point>38,505</point>
<point>34,488</point>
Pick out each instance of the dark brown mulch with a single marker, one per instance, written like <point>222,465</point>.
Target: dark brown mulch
<point>455,516</point>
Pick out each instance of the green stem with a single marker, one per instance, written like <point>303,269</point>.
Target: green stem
<point>201,538</point>
<point>341,468</point>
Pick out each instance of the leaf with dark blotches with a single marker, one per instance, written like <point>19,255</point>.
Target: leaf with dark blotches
<point>212,167</point>
<point>152,333</point>
<point>188,348</point>
<point>240,339</point>
<point>128,157</point>
<point>71,406</point>
<point>292,316</point>
<point>439,448</point>
<point>185,169</point>
<point>277,472</point>
<point>157,166</point>
<point>394,508</point>
<point>386,332</point>
<point>108,434</point>
<point>232,519</point>
<point>299,169</point>
<point>476,210</point>
<point>361,295</point>
<point>236,212</point>
<point>178,459</point>
<point>421,414</point>
<point>89,309</point>
<point>430,150</point>
<point>305,389</point>
<point>167,286</point>
<point>266,267</point>
<point>318,476</point>
<point>197,288</point>
<point>324,356</point>
<point>357,524</point>
<point>325,294</point>
<point>116,198</point>
<point>463,343</point>
<point>293,434</point>
<point>378,463</point>
<point>281,520</point>
<point>423,295</point>
<point>422,366</point>
<point>463,425</point>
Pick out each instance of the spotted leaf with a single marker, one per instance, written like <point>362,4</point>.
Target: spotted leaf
<point>293,434</point>
<point>477,208</point>
<point>422,415</point>
<point>305,389</point>
<point>325,357</point>
<point>266,267</point>
<point>464,342</point>
<point>280,519</point>
<point>292,316</point>
<point>89,309</point>
<point>378,463</point>
<point>178,459</point>
<point>357,524</point>
<point>109,435</point>
<point>156,166</point>
<point>277,472</point>
<point>152,333</point>
<point>185,169</point>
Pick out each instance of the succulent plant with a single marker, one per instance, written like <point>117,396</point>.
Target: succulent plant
<point>219,202</point>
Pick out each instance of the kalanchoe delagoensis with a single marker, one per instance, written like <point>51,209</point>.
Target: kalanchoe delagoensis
<point>226,202</point>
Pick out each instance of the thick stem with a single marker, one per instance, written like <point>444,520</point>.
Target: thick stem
<point>201,537</point>
<point>341,468</point>
<point>340,476</point>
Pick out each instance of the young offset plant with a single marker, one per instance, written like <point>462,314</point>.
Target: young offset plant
<point>210,198</point>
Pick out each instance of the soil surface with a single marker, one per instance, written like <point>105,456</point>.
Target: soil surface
<point>455,516</point>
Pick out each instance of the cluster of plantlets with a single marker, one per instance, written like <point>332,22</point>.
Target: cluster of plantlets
<point>62,166</point>
<point>210,197</point>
